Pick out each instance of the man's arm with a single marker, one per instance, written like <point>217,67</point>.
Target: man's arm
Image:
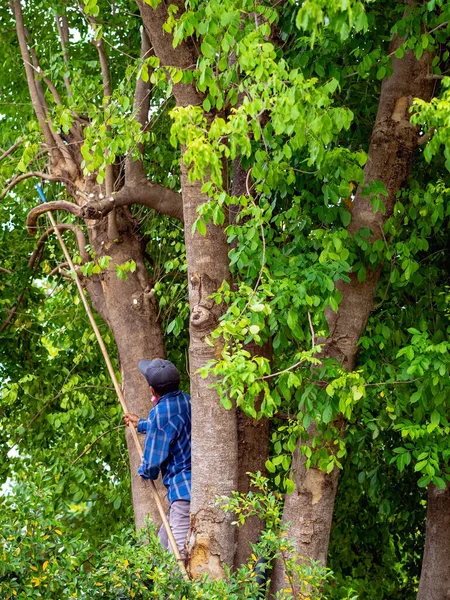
<point>133,420</point>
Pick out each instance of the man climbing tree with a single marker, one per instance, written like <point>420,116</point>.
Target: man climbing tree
<point>167,447</point>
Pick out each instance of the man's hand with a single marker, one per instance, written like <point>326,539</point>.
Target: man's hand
<point>131,419</point>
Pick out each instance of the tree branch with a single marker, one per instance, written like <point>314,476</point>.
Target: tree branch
<point>59,142</point>
<point>58,270</point>
<point>100,45</point>
<point>35,212</point>
<point>48,82</point>
<point>12,312</point>
<point>35,100</point>
<point>145,193</point>
<point>63,32</point>
<point>86,450</point>
<point>141,104</point>
<point>40,174</point>
<point>11,150</point>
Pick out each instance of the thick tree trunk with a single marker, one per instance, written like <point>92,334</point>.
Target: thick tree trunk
<point>309,513</point>
<point>435,575</point>
<point>131,313</point>
<point>214,430</point>
<point>391,149</point>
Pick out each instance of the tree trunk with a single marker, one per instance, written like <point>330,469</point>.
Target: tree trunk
<point>131,313</point>
<point>435,575</point>
<point>214,429</point>
<point>309,513</point>
<point>391,150</point>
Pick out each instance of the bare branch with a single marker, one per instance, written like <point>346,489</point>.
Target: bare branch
<point>100,45</point>
<point>142,89</point>
<point>58,269</point>
<point>113,232</point>
<point>63,31</point>
<point>60,145</point>
<point>424,138</point>
<point>11,150</point>
<point>313,337</point>
<point>24,176</point>
<point>43,208</point>
<point>145,193</point>
<point>141,104</point>
<point>48,82</point>
<point>3,270</point>
<point>35,99</point>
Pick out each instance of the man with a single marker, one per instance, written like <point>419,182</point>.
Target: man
<point>167,446</point>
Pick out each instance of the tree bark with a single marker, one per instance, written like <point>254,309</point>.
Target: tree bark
<point>308,513</point>
<point>131,314</point>
<point>393,142</point>
<point>435,574</point>
<point>214,430</point>
<point>253,437</point>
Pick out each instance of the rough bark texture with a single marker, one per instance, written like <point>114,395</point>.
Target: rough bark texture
<point>131,313</point>
<point>214,430</point>
<point>435,575</point>
<point>391,149</point>
<point>253,437</point>
<point>308,512</point>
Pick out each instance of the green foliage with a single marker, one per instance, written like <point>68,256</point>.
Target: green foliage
<point>290,92</point>
<point>433,118</point>
<point>44,560</point>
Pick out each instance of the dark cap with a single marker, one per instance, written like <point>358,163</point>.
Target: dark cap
<point>161,374</point>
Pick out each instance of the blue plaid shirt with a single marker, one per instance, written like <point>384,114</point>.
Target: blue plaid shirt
<point>167,446</point>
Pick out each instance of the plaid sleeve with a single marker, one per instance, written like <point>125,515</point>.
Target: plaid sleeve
<point>156,450</point>
<point>142,426</point>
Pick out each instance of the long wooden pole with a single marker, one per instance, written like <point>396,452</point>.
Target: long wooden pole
<point>112,374</point>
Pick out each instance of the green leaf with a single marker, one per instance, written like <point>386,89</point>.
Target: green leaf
<point>289,485</point>
<point>327,414</point>
<point>270,466</point>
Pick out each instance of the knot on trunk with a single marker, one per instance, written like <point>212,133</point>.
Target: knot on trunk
<point>201,316</point>
<point>96,209</point>
<point>141,301</point>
